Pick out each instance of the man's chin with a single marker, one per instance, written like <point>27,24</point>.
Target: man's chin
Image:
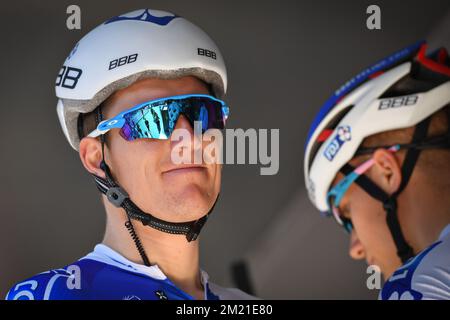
<point>192,203</point>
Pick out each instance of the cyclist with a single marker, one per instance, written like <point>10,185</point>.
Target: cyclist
<point>377,159</point>
<point>122,91</point>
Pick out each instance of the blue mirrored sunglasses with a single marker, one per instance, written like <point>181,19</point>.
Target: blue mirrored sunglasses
<point>156,119</point>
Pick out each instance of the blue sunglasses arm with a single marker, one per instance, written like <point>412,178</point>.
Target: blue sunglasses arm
<point>104,126</point>
<point>339,190</point>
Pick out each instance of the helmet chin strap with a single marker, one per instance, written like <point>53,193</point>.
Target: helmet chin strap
<point>404,250</point>
<point>120,199</point>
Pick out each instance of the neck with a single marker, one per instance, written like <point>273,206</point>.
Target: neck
<point>428,213</point>
<point>177,258</point>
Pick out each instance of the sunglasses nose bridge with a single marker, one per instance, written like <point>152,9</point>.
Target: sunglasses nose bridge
<point>187,117</point>
<point>197,114</point>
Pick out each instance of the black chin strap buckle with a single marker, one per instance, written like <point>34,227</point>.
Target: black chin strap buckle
<point>116,195</point>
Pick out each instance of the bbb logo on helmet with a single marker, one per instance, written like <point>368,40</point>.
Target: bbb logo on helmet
<point>122,61</point>
<point>343,135</point>
<point>206,53</point>
<point>68,77</point>
<point>398,102</point>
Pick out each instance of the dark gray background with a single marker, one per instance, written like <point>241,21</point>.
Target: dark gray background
<point>282,56</point>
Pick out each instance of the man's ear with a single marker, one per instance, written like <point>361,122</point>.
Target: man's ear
<point>386,171</point>
<point>91,155</point>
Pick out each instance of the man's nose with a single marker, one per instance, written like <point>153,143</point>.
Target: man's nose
<point>356,249</point>
<point>183,123</point>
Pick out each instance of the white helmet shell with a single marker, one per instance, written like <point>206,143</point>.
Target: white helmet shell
<point>124,49</point>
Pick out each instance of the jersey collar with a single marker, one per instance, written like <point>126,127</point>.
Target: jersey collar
<point>105,254</point>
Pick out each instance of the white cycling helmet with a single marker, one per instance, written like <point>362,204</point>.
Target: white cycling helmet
<point>140,44</point>
<point>400,91</point>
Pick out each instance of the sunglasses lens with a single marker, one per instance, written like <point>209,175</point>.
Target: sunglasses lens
<point>150,121</point>
<point>347,224</point>
<point>341,220</point>
<point>158,120</point>
<point>207,111</point>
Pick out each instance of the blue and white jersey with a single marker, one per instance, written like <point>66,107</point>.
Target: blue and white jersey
<point>104,274</point>
<point>426,276</point>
